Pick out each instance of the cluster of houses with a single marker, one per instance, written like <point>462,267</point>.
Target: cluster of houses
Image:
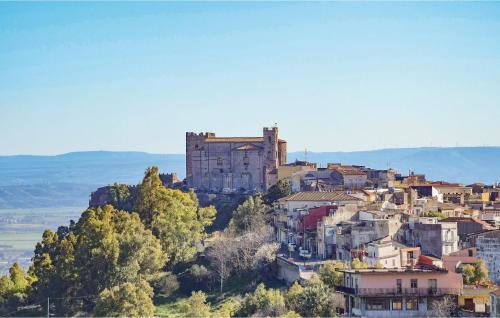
<point>415,236</point>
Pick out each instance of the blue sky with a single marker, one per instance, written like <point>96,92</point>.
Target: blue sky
<point>334,76</point>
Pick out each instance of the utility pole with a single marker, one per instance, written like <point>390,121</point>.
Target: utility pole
<point>48,307</point>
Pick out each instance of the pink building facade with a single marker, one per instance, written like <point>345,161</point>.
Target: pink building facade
<point>397,292</point>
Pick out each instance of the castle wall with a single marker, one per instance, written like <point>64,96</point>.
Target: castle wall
<point>221,165</point>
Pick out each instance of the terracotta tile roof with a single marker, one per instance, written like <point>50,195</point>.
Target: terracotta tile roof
<point>349,171</point>
<point>485,225</point>
<point>319,196</point>
<point>234,139</point>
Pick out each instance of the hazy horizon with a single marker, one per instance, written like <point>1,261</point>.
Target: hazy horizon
<point>289,151</point>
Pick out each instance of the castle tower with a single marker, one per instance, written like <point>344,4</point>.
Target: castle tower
<point>271,147</point>
<point>194,142</point>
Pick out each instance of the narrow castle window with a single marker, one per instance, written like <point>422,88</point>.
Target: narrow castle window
<point>219,161</point>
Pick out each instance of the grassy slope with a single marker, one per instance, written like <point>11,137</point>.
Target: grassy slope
<point>235,288</point>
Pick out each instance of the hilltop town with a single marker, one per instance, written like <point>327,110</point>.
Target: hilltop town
<point>415,235</point>
<point>143,172</point>
<point>413,247</point>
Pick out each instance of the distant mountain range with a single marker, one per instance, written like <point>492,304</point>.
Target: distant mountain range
<point>455,164</point>
<point>68,179</point>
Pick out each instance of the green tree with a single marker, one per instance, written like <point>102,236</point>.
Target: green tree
<point>475,274</point>
<point>6,286</point>
<point>468,274</point>
<point>330,275</point>
<point>19,278</point>
<point>13,289</point>
<point>290,314</point>
<point>196,305</point>
<point>480,272</point>
<point>175,217</point>
<point>263,302</point>
<point>122,196</point>
<point>358,264</point>
<point>226,309</point>
<point>165,284</point>
<point>293,297</point>
<point>315,300</point>
<point>277,191</point>
<point>269,302</point>
<point>106,248</point>
<point>126,300</point>
<point>248,215</point>
<point>378,265</point>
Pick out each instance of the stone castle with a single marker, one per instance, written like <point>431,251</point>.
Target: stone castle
<point>230,164</point>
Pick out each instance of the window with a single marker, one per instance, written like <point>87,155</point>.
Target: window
<point>397,304</point>
<point>413,283</point>
<point>399,288</point>
<point>470,253</point>
<point>219,161</point>
<point>411,304</point>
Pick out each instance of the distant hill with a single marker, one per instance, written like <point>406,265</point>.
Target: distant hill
<point>66,180</point>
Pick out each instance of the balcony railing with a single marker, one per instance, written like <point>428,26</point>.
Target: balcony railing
<point>399,291</point>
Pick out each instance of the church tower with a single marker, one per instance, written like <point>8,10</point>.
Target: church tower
<point>271,147</point>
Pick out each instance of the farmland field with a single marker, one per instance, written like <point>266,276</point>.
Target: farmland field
<point>21,229</point>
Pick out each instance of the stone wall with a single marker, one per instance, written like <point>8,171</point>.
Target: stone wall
<point>233,164</point>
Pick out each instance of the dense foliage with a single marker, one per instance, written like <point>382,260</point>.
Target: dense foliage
<point>475,274</point>
<point>111,261</point>
<point>277,191</point>
<point>175,217</point>
<point>14,288</point>
<point>122,196</point>
<point>107,250</point>
<point>330,275</point>
<point>249,215</point>
<point>358,264</point>
<point>147,243</point>
<point>315,299</point>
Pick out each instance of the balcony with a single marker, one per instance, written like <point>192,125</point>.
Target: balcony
<point>399,291</point>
